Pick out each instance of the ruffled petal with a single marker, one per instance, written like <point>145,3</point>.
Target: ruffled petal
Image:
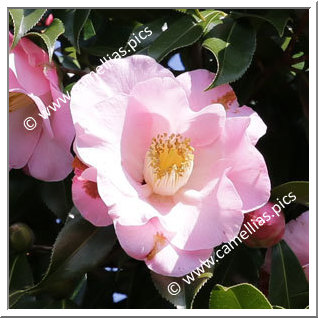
<point>256,128</point>
<point>171,261</point>
<point>164,97</point>
<point>195,82</point>
<point>205,126</point>
<point>211,219</point>
<point>117,76</point>
<point>248,168</point>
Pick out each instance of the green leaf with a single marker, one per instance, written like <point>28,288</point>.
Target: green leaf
<point>74,21</point>
<point>156,30</point>
<point>54,196</point>
<point>79,248</point>
<point>299,188</point>
<point>50,35</point>
<point>183,32</point>
<point>277,18</point>
<point>23,21</point>
<point>233,44</point>
<point>89,30</point>
<point>288,286</point>
<point>187,286</point>
<point>20,273</point>
<point>242,296</point>
<point>211,18</point>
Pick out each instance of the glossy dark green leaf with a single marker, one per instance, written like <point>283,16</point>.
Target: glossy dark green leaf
<point>183,32</point>
<point>288,286</point>
<point>79,247</point>
<point>209,19</point>
<point>50,35</point>
<point>88,30</point>
<point>20,273</point>
<point>54,196</point>
<point>241,265</point>
<point>299,188</point>
<point>242,296</point>
<point>23,21</point>
<point>152,30</point>
<point>74,21</point>
<point>181,291</point>
<point>233,44</point>
<point>278,18</point>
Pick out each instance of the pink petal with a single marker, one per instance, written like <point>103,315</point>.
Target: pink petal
<point>205,126</point>
<point>297,237</point>
<point>195,83</point>
<point>137,241</point>
<point>58,161</point>
<point>139,128</point>
<point>61,119</point>
<point>88,202</point>
<point>256,129</point>
<point>117,76</point>
<point>215,218</point>
<point>22,142</point>
<point>249,172</point>
<point>171,261</point>
<point>98,144</point>
<point>164,97</point>
<point>27,61</point>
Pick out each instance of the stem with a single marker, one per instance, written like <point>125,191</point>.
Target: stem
<point>77,72</point>
<point>199,14</point>
<point>42,247</point>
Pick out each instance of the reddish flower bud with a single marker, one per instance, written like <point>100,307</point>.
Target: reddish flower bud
<point>49,19</point>
<point>268,226</point>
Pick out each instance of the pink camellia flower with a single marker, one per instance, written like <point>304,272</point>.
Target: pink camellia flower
<point>43,152</point>
<point>270,226</point>
<point>176,166</point>
<point>297,237</point>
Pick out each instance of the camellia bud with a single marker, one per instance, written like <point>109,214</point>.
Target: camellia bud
<point>268,226</point>
<point>49,19</point>
<point>21,237</point>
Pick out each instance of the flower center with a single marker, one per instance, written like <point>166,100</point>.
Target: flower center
<point>168,163</point>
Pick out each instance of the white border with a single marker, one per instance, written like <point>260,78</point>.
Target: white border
<point>312,163</point>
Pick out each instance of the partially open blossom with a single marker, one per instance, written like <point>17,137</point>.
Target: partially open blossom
<point>297,237</point>
<point>176,166</point>
<point>43,152</point>
<point>270,226</point>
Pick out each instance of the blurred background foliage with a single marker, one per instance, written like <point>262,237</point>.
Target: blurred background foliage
<point>262,53</point>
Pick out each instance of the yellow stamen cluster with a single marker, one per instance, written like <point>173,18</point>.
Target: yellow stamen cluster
<point>168,163</point>
<point>170,153</point>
